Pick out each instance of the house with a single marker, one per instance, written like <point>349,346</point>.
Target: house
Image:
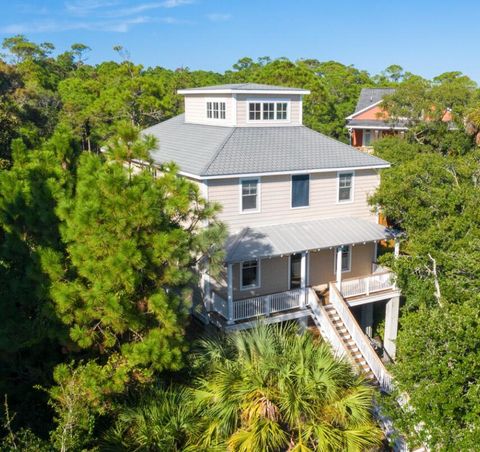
<point>370,121</point>
<point>303,239</point>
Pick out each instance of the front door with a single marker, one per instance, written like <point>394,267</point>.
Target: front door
<point>295,271</point>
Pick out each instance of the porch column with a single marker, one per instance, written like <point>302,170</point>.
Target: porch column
<point>366,318</point>
<point>230,293</point>
<point>396,249</point>
<point>391,326</point>
<point>339,267</point>
<point>303,279</point>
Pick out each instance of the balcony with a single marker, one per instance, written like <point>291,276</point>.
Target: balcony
<point>262,306</point>
<point>365,289</point>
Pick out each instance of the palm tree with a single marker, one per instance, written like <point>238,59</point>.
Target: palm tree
<point>159,420</point>
<point>271,389</point>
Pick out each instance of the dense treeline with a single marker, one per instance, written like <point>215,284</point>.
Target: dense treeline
<point>97,263</point>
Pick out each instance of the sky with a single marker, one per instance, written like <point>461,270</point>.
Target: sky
<point>426,37</point>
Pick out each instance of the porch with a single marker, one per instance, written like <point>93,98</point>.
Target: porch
<point>355,291</point>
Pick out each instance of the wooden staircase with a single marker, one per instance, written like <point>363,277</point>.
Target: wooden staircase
<point>349,344</point>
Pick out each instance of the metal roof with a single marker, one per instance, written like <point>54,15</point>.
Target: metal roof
<point>236,87</point>
<point>209,151</point>
<point>285,239</point>
<point>370,96</point>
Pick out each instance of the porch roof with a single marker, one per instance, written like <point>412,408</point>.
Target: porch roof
<point>284,239</point>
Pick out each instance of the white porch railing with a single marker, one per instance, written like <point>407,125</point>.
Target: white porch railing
<point>219,305</point>
<point>259,306</point>
<point>366,285</point>
<point>374,362</point>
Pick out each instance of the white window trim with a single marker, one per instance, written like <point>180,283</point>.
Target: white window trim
<point>291,191</point>
<point>219,100</point>
<point>352,190</point>
<point>259,276</point>
<point>259,195</point>
<point>350,251</point>
<point>371,138</point>
<point>288,101</point>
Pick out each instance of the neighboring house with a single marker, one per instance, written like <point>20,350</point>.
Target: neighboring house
<point>303,241</point>
<point>370,121</point>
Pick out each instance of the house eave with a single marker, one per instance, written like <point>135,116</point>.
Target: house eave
<point>281,173</point>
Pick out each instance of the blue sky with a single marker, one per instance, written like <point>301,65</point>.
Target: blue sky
<point>424,36</point>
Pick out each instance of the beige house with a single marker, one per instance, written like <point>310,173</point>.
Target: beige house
<point>303,239</point>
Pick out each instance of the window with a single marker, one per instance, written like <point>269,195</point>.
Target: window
<point>268,111</point>
<point>346,259</point>
<point>255,109</point>
<point>249,275</point>
<point>300,190</point>
<point>216,110</point>
<point>367,138</point>
<point>282,110</point>
<point>345,187</point>
<point>249,194</point>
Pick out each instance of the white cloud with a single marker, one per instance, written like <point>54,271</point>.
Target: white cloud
<point>219,17</point>
<point>118,26</point>
<point>99,15</point>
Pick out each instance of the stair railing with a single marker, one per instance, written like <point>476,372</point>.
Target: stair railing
<point>374,362</point>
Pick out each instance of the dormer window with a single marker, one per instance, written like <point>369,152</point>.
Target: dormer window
<point>267,111</point>
<point>216,110</point>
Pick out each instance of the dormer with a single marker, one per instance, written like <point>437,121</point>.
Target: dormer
<point>244,105</point>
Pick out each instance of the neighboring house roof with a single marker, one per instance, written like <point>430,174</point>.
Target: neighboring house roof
<point>370,97</point>
<point>215,151</point>
<point>377,124</point>
<point>243,88</point>
<point>284,239</point>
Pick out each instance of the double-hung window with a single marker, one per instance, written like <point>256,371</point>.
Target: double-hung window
<point>249,274</point>
<point>345,187</point>
<point>267,111</point>
<point>300,190</point>
<point>255,111</point>
<point>249,195</point>
<point>282,108</point>
<point>367,137</point>
<point>216,110</point>
<point>346,259</point>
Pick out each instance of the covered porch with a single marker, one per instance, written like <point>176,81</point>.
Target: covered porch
<point>271,270</point>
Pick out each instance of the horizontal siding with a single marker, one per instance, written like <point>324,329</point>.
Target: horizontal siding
<point>274,272</point>
<point>196,109</point>
<point>322,263</point>
<point>242,110</point>
<point>275,199</point>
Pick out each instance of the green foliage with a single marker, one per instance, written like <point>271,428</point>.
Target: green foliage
<point>271,388</point>
<point>433,198</point>
<point>30,247</point>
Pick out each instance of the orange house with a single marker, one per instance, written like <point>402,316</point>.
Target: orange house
<point>370,121</point>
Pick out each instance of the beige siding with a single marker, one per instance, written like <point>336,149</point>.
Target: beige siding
<point>196,109</point>
<point>322,264</point>
<point>274,272</point>
<point>275,200</point>
<point>242,110</point>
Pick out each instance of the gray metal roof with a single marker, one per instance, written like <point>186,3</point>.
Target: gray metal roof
<point>284,239</point>
<point>370,96</point>
<point>220,151</point>
<point>246,87</point>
